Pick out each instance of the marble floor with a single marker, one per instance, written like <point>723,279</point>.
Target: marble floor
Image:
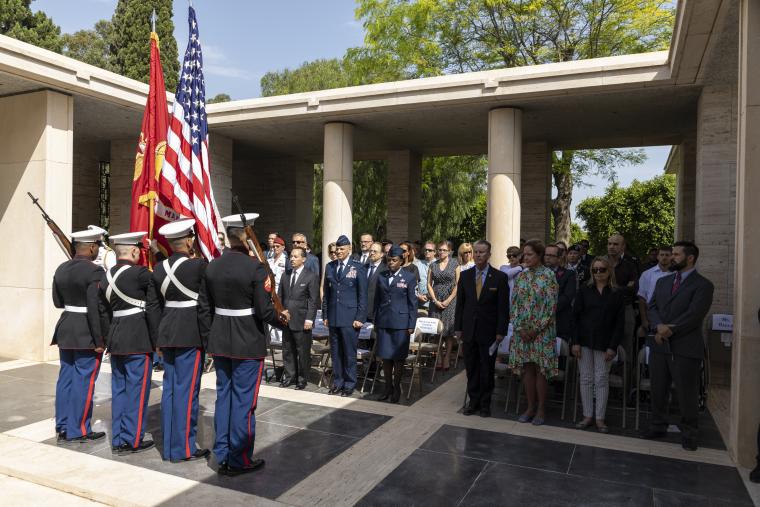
<point>327,450</point>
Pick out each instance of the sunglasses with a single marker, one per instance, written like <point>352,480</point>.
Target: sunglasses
<point>599,270</point>
<point>429,250</point>
<point>298,241</point>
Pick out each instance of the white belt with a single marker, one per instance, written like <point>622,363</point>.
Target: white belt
<point>181,304</point>
<point>124,313</point>
<point>228,312</point>
<point>75,309</point>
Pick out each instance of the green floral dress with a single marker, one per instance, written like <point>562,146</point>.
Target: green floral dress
<point>534,306</point>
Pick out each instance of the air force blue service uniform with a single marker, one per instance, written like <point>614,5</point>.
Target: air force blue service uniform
<point>395,313</point>
<point>123,290</point>
<point>344,301</point>
<point>77,334</point>
<point>234,306</point>
<point>172,310</point>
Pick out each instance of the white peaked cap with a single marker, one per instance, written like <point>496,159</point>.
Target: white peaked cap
<point>92,234</point>
<point>236,221</point>
<point>178,229</point>
<point>129,238</point>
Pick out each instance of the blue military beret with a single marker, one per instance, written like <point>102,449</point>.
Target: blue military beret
<point>343,241</point>
<point>396,251</point>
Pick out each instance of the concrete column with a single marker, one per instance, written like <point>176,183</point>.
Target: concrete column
<point>122,174</point>
<point>338,183</point>
<point>87,159</point>
<point>686,190</point>
<point>404,196</point>
<point>536,192</point>
<point>220,159</point>
<point>37,134</point>
<point>745,372</point>
<point>504,168</point>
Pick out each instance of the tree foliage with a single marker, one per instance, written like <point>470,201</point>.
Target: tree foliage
<point>219,97</point>
<point>18,21</point>
<point>90,46</point>
<point>644,213</point>
<point>320,74</point>
<point>130,40</point>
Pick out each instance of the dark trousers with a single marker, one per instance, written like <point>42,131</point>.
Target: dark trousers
<point>296,355</point>
<point>480,367</point>
<point>237,394</point>
<point>130,391</point>
<point>343,342</point>
<point>74,391</point>
<point>684,372</point>
<point>179,400</point>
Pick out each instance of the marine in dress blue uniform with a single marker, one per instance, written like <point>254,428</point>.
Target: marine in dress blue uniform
<point>234,306</point>
<point>172,310</point>
<point>395,317</point>
<point>122,293</point>
<point>79,337</point>
<point>344,309</point>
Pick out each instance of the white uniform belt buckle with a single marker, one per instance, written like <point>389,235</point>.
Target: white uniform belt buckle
<point>75,309</point>
<point>181,304</point>
<point>124,313</point>
<point>229,312</point>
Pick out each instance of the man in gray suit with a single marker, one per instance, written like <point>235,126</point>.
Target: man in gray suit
<point>676,311</point>
<point>299,292</point>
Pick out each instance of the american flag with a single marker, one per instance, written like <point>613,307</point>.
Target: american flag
<point>185,182</point>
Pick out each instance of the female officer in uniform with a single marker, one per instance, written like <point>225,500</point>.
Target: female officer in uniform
<point>395,317</point>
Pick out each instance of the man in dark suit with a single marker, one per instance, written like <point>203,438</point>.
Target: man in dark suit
<point>676,311</point>
<point>375,267</point>
<point>568,284</point>
<point>344,310</point>
<point>481,320</point>
<point>365,242</point>
<point>299,292</point>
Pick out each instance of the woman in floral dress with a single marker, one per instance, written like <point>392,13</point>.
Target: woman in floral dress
<point>533,308</point>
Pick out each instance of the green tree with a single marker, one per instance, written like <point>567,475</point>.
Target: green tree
<point>431,37</point>
<point>320,74</point>
<point>219,97</point>
<point>130,40</point>
<point>18,21</point>
<point>644,213</point>
<point>90,46</point>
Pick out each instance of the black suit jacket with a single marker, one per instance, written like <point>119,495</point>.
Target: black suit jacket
<point>302,302</point>
<point>76,284</point>
<point>372,286</point>
<point>568,284</point>
<point>684,311</point>
<point>482,318</point>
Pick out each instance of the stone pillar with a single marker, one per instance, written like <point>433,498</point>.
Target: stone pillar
<point>220,161</point>
<point>122,174</point>
<point>87,159</point>
<point>37,134</point>
<point>745,371</point>
<point>504,167</point>
<point>404,196</point>
<point>338,183</point>
<point>686,190</point>
<point>536,194</point>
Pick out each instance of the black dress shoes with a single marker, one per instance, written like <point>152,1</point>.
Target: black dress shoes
<point>198,454</point>
<point>287,383</point>
<point>470,409</point>
<point>60,436</point>
<point>652,434</point>
<point>689,444</point>
<point>93,435</point>
<point>385,396</point>
<point>335,390</point>
<point>485,412</point>
<point>128,449</point>
<point>345,393</point>
<point>396,396</point>
<point>300,386</point>
<point>234,471</point>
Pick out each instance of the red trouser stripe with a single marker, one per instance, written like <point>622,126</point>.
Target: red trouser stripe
<point>142,400</point>
<point>89,394</point>
<point>190,401</point>
<point>250,412</point>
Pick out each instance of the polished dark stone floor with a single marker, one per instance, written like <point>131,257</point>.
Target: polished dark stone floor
<point>460,466</point>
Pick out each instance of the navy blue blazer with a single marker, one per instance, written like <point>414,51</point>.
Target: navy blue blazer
<point>344,299</point>
<point>396,304</point>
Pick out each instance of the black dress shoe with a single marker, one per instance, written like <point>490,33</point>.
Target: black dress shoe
<point>95,435</point>
<point>287,383</point>
<point>300,386</point>
<point>222,468</point>
<point>689,444</point>
<point>198,454</point>
<point>652,434</point>
<point>120,449</point>
<point>144,446</point>
<point>345,393</point>
<point>335,390</point>
<point>470,409</point>
<point>255,465</point>
<point>60,436</point>
<point>485,412</point>
<point>386,395</point>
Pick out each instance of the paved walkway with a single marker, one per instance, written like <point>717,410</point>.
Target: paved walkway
<point>326,450</point>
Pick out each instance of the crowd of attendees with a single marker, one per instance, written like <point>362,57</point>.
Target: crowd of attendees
<point>598,304</point>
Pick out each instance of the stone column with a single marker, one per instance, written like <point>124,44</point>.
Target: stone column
<point>337,193</point>
<point>745,371</point>
<point>220,160</point>
<point>686,190</point>
<point>536,192</point>
<point>122,175</point>
<point>37,134</point>
<point>504,167</point>
<point>404,196</point>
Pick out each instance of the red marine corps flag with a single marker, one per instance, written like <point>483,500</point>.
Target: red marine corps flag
<point>150,158</point>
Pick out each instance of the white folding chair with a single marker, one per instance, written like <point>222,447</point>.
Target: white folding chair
<point>425,341</point>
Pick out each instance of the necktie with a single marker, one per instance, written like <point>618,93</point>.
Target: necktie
<point>364,259</point>
<point>340,270</point>
<point>676,283</point>
<point>293,281</point>
<point>371,271</point>
<point>478,283</point>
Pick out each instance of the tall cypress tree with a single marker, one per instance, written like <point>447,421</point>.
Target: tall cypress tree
<point>130,40</point>
<point>18,21</point>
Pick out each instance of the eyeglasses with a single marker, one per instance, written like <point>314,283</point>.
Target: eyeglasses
<point>430,250</point>
<point>598,270</point>
<point>298,241</point>
<point>443,249</point>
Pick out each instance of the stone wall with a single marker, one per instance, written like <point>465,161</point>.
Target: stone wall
<point>536,191</point>
<point>86,199</point>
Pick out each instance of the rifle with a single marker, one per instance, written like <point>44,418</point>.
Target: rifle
<point>254,246</point>
<point>60,237</point>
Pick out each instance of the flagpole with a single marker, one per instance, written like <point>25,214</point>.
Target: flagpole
<point>153,20</point>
